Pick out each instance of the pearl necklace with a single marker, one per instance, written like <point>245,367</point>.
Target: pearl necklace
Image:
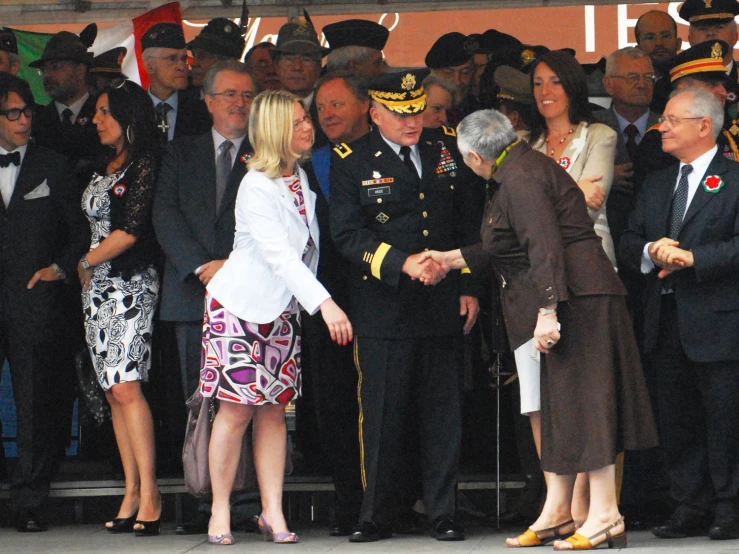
<point>561,141</point>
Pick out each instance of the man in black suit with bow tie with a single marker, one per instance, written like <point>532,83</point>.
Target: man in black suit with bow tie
<point>194,214</point>
<point>684,235</point>
<point>42,236</point>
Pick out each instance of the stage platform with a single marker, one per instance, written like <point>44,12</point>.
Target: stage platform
<point>94,539</point>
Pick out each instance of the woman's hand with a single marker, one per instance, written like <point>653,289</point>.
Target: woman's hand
<point>338,324</point>
<point>594,194</point>
<point>85,276</point>
<point>546,334</point>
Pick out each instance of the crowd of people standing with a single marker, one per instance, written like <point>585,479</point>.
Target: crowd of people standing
<point>265,229</point>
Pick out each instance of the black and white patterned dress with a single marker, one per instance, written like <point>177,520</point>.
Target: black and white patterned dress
<point>120,302</point>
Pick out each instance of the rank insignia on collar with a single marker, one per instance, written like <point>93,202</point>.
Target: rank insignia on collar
<point>449,131</point>
<point>378,154</point>
<point>446,161</point>
<point>382,218</point>
<point>343,150</point>
<point>713,183</point>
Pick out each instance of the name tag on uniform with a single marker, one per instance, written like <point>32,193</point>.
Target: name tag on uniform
<point>378,181</point>
<point>378,191</point>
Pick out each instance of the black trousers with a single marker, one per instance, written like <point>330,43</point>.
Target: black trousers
<point>40,354</point>
<point>408,385</point>
<point>189,335</point>
<point>698,421</point>
<point>329,369</point>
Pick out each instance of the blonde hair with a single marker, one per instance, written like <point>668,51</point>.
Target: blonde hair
<point>271,132</point>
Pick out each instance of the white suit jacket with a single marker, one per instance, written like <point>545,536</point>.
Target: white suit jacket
<point>265,268</point>
<point>592,151</point>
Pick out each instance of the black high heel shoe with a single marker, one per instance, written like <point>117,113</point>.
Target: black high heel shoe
<point>122,525</point>
<point>148,529</point>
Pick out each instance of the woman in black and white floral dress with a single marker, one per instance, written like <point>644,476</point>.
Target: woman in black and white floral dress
<point>121,287</point>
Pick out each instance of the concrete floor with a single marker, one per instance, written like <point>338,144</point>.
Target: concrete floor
<point>92,538</point>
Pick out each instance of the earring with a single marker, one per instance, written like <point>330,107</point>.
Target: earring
<point>128,135</point>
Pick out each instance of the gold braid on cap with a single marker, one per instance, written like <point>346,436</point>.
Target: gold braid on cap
<point>401,105</point>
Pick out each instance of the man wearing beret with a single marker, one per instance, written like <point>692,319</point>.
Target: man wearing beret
<point>65,125</point>
<point>451,57</point>
<point>221,39</point>
<point>395,192</point>
<point>9,60</point>
<point>356,46</point>
<point>179,112</point>
<point>297,56</point>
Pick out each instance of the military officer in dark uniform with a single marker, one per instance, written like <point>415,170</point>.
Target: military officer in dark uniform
<point>106,68</point>
<point>395,192</point>
<point>701,65</point>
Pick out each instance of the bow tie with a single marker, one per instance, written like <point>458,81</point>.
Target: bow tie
<point>12,158</point>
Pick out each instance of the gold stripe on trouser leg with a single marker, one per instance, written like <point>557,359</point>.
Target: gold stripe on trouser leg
<point>361,415</point>
<point>619,474</point>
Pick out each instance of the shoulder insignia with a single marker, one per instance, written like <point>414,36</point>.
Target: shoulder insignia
<point>449,131</point>
<point>654,127</point>
<point>343,150</point>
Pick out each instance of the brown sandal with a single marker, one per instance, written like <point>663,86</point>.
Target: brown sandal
<point>534,538</point>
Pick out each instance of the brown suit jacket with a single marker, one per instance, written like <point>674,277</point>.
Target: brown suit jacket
<point>539,240</point>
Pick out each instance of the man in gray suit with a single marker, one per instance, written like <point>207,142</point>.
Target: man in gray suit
<point>629,80</point>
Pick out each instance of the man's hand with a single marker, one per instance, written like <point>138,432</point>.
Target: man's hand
<point>45,274</point>
<point>594,194</point>
<point>655,247</point>
<point>207,271</point>
<point>623,175</point>
<point>674,259</point>
<point>470,307</point>
<point>428,271</point>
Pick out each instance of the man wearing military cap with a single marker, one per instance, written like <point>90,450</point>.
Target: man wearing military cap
<point>701,66</point>
<point>451,57</point>
<point>179,112</point>
<point>515,99</point>
<point>394,192</point>
<point>65,125</point>
<point>356,46</point>
<point>105,68</point>
<point>221,39</point>
<point>9,60</point>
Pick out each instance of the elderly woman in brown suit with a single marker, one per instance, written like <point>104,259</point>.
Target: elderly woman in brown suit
<point>558,285</point>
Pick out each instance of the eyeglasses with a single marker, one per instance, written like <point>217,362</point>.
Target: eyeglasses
<point>633,78</point>
<point>232,95</point>
<point>291,59</point>
<point>673,120</point>
<point>14,114</point>
<point>173,59</point>
<point>300,122</point>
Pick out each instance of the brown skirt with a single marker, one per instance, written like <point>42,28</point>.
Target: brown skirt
<point>594,400</point>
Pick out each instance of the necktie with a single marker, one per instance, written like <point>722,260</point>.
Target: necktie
<point>67,117</point>
<point>223,170</point>
<point>631,146</point>
<point>11,158</point>
<point>405,152</point>
<point>679,203</point>
<point>161,110</point>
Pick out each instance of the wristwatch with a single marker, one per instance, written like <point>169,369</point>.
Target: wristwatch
<point>547,311</point>
<point>59,271</point>
<point>84,262</point>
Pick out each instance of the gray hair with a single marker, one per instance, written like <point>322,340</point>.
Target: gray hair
<point>433,80</point>
<point>629,52</point>
<point>339,59</point>
<point>705,104</point>
<point>225,65</point>
<point>486,132</point>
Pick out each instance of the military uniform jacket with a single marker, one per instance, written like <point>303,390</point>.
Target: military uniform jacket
<point>380,214</point>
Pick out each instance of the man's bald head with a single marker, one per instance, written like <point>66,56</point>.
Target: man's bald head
<point>656,34</point>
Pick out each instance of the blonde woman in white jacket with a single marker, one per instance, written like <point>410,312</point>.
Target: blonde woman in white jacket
<point>251,329</point>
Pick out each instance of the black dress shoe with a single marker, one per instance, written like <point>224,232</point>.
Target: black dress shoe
<point>724,528</point>
<point>30,522</point>
<point>340,529</point>
<point>410,523</point>
<point>680,527</point>
<point>368,531</point>
<point>446,529</point>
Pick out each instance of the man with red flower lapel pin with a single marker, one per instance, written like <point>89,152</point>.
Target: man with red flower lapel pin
<point>194,216</point>
<point>684,235</point>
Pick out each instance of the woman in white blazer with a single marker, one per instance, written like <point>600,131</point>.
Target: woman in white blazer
<point>562,128</point>
<point>251,328</point>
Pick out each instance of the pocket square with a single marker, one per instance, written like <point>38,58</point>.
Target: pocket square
<point>40,191</point>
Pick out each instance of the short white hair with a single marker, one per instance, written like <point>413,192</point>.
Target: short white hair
<point>704,104</point>
<point>630,52</point>
<point>339,59</point>
<point>486,132</point>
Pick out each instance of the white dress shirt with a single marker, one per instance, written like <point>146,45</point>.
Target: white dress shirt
<point>76,107</point>
<point>9,175</point>
<point>415,154</point>
<point>695,177</point>
<point>173,101</point>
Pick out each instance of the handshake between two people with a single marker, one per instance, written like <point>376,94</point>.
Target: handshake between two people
<point>429,267</point>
